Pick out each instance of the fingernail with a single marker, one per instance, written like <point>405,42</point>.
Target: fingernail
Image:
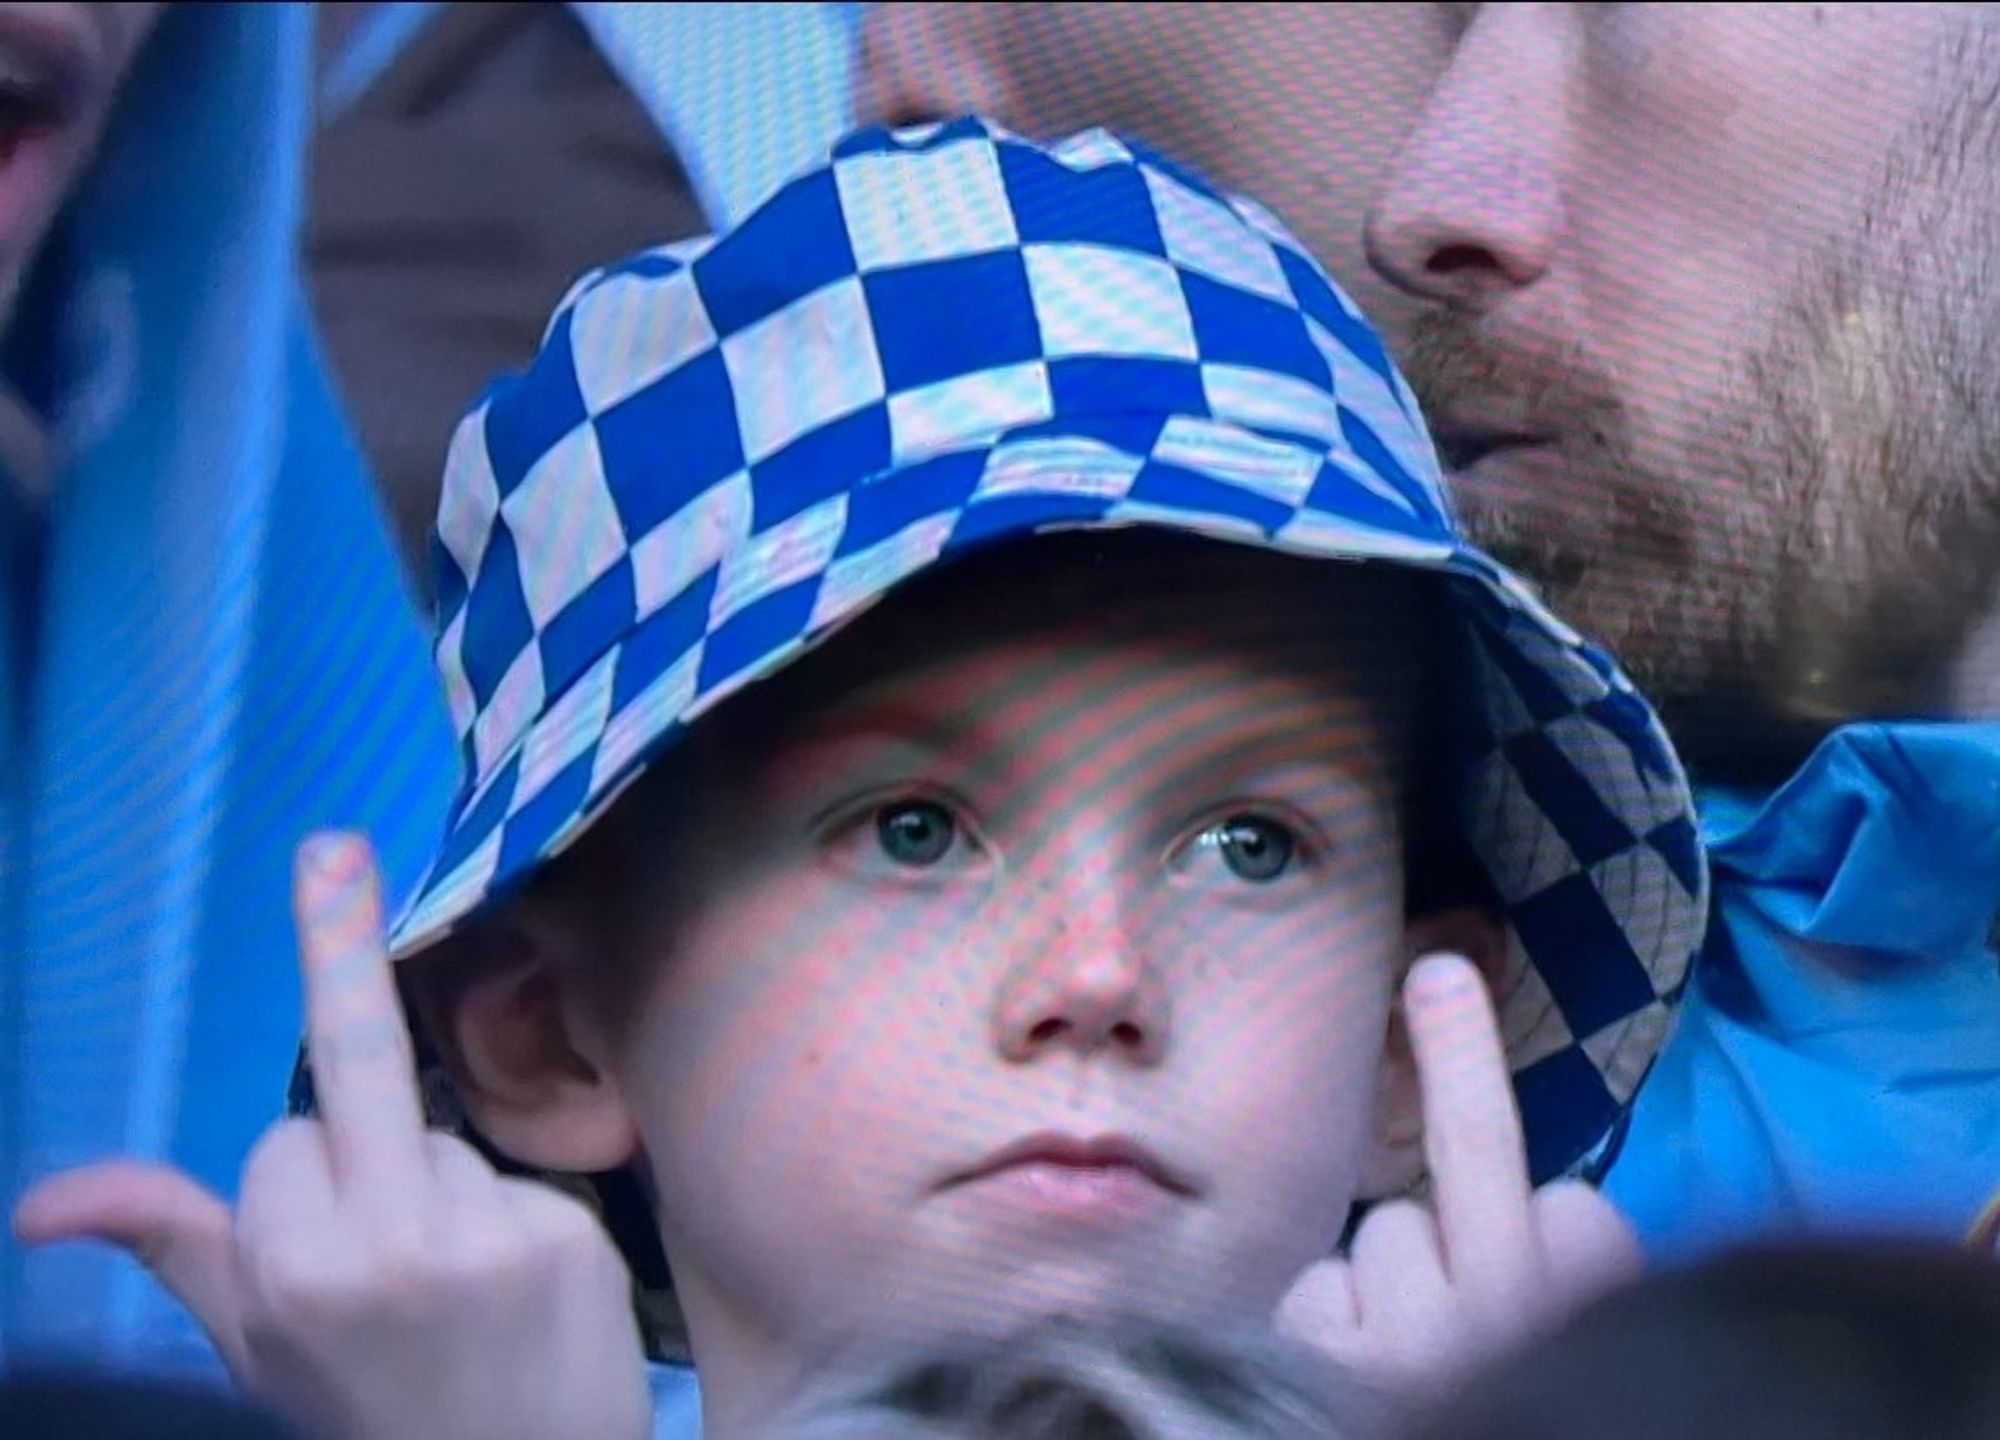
<point>331,857</point>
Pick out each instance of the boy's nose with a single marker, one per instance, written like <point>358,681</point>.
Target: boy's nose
<point>1080,983</point>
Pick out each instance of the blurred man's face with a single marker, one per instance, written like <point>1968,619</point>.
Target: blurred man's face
<point>60,68</point>
<point>1718,353</point>
<point>1301,106</point>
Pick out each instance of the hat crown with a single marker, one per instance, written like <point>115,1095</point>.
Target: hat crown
<point>920,293</point>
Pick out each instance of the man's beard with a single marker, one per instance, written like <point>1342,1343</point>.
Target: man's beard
<point>1824,532</point>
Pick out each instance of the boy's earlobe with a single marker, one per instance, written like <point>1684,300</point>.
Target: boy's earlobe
<point>1395,1156</point>
<point>527,1056</point>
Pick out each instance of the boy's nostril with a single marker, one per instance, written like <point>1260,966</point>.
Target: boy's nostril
<point>1126,1033</point>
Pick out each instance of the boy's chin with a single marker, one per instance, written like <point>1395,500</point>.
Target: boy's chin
<point>1085,1290</point>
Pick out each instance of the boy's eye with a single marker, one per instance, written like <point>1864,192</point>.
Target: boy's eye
<point>1254,849</point>
<point>917,833</point>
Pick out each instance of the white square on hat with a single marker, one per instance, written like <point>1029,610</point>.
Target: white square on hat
<point>517,699</point>
<point>628,331</point>
<point>471,497</point>
<point>1207,237</point>
<point>967,408</point>
<point>566,526</point>
<point>892,208</point>
<point>782,556</point>
<point>806,366</point>
<point>690,542</point>
<point>646,717</point>
<point>1093,300</point>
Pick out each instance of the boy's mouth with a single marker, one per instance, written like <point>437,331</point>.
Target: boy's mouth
<point>1105,1174</point>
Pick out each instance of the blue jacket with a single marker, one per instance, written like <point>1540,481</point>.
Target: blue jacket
<point>1837,1065</point>
<point>223,655</point>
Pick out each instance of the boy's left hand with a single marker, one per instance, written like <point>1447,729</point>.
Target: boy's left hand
<point>377,1281</point>
<point>1427,1289</point>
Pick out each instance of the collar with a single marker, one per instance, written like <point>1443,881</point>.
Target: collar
<point>1887,839</point>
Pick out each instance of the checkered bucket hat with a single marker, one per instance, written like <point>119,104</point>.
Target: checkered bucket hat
<point>946,338</point>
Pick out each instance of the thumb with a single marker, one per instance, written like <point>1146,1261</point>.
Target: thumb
<point>175,1227</point>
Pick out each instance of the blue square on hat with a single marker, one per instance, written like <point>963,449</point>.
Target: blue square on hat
<point>498,626</point>
<point>588,626</point>
<point>1379,458</point>
<point>528,415</point>
<point>820,464</point>
<point>1175,487</point>
<point>1106,385</point>
<point>528,831</point>
<point>1010,515</point>
<point>1237,327</point>
<point>1560,791</point>
<point>1679,845</point>
<point>1337,492</point>
<point>1582,955</point>
<point>662,640</point>
<point>1565,1108</point>
<point>1318,300</point>
<point>482,820</point>
<point>670,442</point>
<point>1544,698</point>
<point>758,631</point>
<point>891,503</point>
<point>787,248</point>
<point>939,319</point>
<point>1046,196</point>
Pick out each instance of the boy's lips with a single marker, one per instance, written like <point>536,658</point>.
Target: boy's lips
<point>1066,1172</point>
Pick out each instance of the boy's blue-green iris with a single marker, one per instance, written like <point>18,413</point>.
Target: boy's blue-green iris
<point>1254,849</point>
<point>917,833</point>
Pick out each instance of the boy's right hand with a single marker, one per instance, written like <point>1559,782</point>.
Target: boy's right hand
<point>1427,1289</point>
<point>377,1281</point>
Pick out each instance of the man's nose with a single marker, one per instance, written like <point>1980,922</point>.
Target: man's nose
<point>1080,979</point>
<point>1472,209</point>
<point>923,62</point>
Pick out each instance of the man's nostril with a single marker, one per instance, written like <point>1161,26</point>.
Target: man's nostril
<point>1045,1031</point>
<point>1456,259</point>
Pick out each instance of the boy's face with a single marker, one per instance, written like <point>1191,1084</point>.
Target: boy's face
<point>1040,964</point>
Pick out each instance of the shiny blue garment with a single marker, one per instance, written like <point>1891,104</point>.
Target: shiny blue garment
<point>1837,1066</point>
<point>219,653</point>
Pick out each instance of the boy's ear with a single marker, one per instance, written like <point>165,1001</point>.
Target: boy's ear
<point>1396,1154</point>
<point>528,1054</point>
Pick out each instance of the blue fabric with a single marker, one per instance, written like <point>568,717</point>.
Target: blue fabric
<point>1837,1065</point>
<point>747,93</point>
<point>227,657</point>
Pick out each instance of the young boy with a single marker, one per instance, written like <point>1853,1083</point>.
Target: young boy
<point>957,923</point>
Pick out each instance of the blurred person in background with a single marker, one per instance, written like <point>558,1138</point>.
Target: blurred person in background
<point>1715,351</point>
<point>1702,306</point>
<point>1299,105</point>
<point>1869,1342</point>
<point>473,159</point>
<point>208,646</point>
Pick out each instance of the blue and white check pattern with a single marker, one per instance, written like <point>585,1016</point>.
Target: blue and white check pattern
<point>949,337</point>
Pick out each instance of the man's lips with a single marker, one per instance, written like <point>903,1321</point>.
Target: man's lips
<point>1103,1153</point>
<point>1461,446</point>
